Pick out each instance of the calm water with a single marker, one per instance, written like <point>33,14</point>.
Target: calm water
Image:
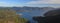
<point>31,14</point>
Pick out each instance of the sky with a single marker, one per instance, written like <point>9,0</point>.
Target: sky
<point>32,3</point>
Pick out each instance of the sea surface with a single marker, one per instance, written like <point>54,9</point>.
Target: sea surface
<point>29,14</point>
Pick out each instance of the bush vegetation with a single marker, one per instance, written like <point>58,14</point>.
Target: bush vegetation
<point>10,16</point>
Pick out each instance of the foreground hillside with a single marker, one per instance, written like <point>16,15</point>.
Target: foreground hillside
<point>10,16</point>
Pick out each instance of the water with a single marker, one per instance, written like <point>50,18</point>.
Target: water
<point>28,14</point>
<point>31,14</point>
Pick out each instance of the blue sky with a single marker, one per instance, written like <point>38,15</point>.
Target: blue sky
<point>33,3</point>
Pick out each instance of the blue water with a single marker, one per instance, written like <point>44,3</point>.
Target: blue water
<point>31,14</point>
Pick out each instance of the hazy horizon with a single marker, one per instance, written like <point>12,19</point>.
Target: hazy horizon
<point>31,3</point>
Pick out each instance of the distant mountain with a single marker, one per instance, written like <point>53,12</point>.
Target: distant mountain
<point>31,8</point>
<point>47,8</point>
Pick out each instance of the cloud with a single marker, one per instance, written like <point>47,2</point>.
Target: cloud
<point>44,2</point>
<point>6,4</point>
